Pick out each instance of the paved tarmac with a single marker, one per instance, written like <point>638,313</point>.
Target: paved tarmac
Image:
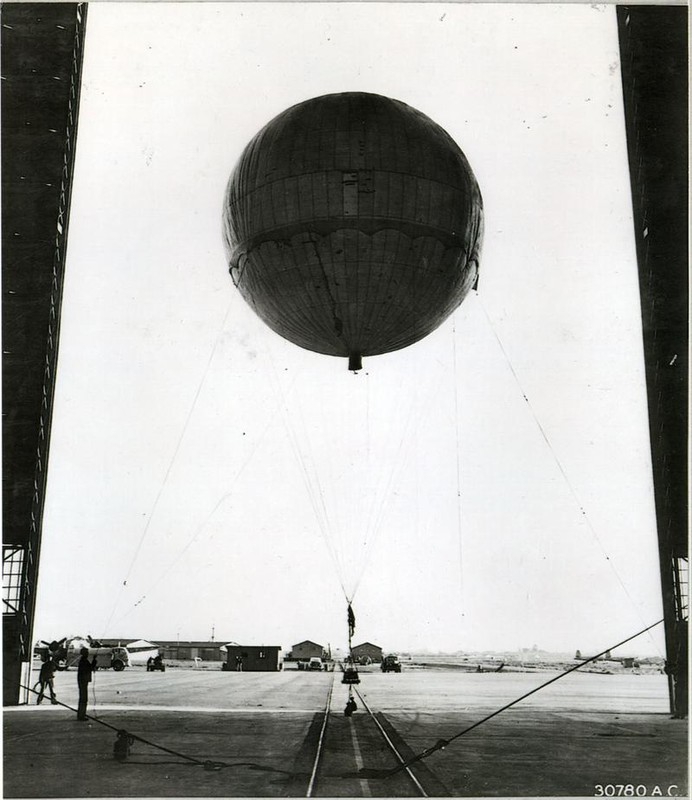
<point>230,734</point>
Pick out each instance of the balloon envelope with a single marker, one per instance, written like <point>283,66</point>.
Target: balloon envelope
<point>353,225</point>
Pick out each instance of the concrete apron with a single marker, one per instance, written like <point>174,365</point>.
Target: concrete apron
<point>266,753</point>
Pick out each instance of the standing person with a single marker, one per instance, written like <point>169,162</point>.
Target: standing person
<point>45,678</point>
<point>84,670</point>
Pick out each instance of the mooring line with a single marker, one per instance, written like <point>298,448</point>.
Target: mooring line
<point>207,764</point>
<point>442,743</point>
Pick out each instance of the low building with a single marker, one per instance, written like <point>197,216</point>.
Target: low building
<point>189,651</point>
<point>177,650</point>
<point>251,658</point>
<point>366,652</point>
<point>304,651</point>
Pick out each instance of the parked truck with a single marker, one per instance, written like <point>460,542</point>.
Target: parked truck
<point>390,663</point>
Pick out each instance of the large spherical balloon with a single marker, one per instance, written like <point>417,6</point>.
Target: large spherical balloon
<point>353,225</point>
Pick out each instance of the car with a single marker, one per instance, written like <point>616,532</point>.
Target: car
<point>315,663</point>
<point>390,663</point>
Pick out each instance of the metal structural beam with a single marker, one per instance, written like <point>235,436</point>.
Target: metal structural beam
<point>41,63</point>
<point>654,56</point>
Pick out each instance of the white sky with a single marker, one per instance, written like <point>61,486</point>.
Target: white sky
<point>185,430</point>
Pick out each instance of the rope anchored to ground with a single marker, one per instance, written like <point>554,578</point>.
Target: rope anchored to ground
<point>441,744</point>
<point>125,739</point>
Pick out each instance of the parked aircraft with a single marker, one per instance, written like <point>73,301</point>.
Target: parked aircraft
<point>66,653</point>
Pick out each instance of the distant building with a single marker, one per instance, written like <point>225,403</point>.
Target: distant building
<point>251,658</point>
<point>365,651</point>
<point>303,651</point>
<point>169,650</point>
<point>189,651</point>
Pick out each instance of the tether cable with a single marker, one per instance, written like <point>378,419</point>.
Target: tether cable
<point>559,463</point>
<point>207,519</point>
<point>171,463</point>
<point>442,743</point>
<point>458,468</point>
<point>207,764</point>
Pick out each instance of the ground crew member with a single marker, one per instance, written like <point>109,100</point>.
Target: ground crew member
<point>45,678</point>
<point>84,670</point>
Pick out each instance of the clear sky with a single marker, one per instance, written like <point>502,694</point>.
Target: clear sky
<point>486,488</point>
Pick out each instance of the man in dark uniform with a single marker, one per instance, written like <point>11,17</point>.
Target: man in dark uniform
<point>84,670</point>
<point>46,680</point>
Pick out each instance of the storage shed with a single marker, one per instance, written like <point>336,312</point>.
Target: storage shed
<point>251,658</point>
<point>190,650</point>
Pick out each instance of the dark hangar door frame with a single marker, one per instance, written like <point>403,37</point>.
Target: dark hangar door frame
<point>654,56</point>
<point>41,60</point>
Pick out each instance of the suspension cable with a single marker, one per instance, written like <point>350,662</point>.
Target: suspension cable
<point>310,478</point>
<point>403,446</point>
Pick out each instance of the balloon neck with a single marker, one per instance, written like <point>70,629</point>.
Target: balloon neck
<point>355,362</point>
